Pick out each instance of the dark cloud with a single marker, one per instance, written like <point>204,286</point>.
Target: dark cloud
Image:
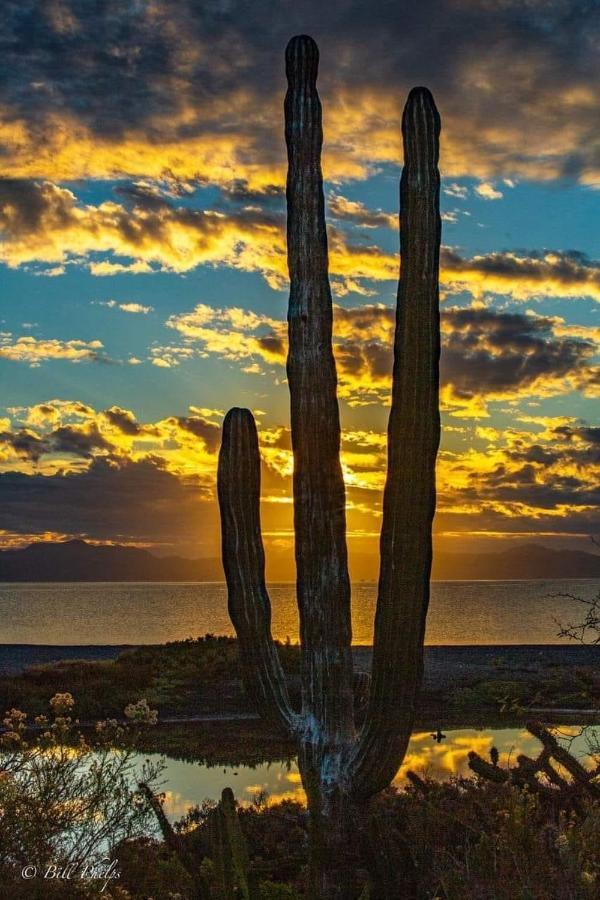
<point>200,427</point>
<point>138,500</point>
<point>484,352</point>
<point>353,355</point>
<point>238,192</point>
<point>524,486</point>
<point>26,206</point>
<point>490,518</point>
<point>143,195</point>
<point>344,210</point>
<point>88,59</point>
<point>537,454</point>
<point>569,268</point>
<point>76,440</point>
<point>44,222</point>
<point>272,344</point>
<point>555,477</point>
<point>25,443</point>
<point>588,433</point>
<point>490,352</point>
<point>48,412</point>
<point>122,419</point>
<point>506,68</point>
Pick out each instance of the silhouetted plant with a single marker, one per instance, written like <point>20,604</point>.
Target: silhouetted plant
<point>555,775</point>
<point>342,766</point>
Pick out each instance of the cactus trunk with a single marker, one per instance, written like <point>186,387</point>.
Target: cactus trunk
<point>323,584</point>
<point>340,769</point>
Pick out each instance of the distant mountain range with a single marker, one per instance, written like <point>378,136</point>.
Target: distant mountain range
<point>79,561</point>
<point>524,561</point>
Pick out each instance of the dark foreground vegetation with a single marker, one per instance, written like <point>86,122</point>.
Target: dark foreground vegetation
<point>71,799</point>
<point>202,677</point>
<point>530,830</point>
<point>462,839</point>
<point>183,678</point>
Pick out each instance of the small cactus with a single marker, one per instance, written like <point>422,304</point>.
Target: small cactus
<point>567,790</point>
<point>230,853</point>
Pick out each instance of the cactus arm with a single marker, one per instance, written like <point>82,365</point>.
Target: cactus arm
<point>238,485</point>
<point>578,773</point>
<point>176,845</point>
<point>486,770</point>
<point>413,438</point>
<point>170,838</point>
<point>323,584</point>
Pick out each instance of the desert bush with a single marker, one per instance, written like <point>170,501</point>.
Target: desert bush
<point>174,677</point>
<point>65,804</point>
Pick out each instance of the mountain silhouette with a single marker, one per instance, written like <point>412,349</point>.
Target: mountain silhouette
<point>79,561</point>
<point>520,562</point>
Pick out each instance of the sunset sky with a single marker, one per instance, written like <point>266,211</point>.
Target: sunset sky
<point>143,266</point>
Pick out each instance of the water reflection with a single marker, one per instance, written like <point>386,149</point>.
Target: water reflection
<point>188,783</point>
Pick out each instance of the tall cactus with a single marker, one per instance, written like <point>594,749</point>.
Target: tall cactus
<point>341,768</point>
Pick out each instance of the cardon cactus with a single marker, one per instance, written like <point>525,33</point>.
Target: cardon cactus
<point>342,766</point>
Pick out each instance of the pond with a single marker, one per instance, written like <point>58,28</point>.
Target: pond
<point>188,783</point>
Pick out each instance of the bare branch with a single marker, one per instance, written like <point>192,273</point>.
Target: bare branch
<point>587,629</point>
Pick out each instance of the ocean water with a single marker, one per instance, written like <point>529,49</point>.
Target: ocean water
<point>461,612</point>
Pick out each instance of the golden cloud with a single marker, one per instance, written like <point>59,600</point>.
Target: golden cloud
<point>162,87</point>
<point>552,274</point>
<point>488,191</point>
<point>225,140</point>
<point>355,212</point>
<point>66,436</point>
<point>538,477</point>
<point>35,351</point>
<point>487,356</point>
<point>128,307</point>
<point>46,224</point>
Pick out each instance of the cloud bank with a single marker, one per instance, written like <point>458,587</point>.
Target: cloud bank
<point>196,90</point>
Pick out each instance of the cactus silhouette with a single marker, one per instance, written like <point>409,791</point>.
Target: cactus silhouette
<point>233,877</point>
<point>229,851</point>
<point>342,766</point>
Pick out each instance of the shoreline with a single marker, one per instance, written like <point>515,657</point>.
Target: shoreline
<point>455,662</point>
<point>482,685</point>
<point>4,582</point>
